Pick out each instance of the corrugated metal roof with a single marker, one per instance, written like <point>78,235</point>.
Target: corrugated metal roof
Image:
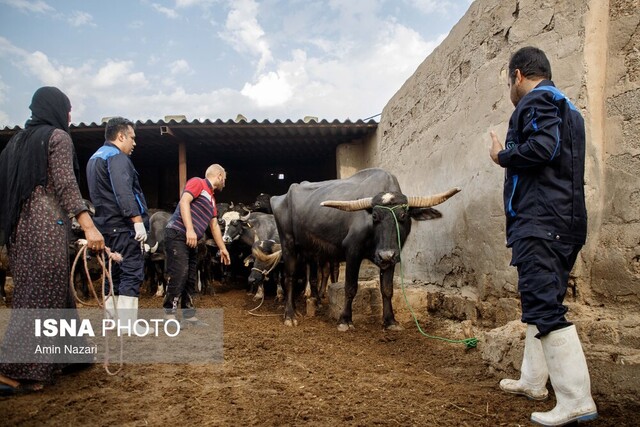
<point>287,140</point>
<point>254,153</point>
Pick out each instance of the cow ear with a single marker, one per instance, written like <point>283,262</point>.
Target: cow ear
<point>423,214</point>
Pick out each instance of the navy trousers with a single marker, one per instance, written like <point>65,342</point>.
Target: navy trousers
<point>182,274</point>
<point>543,275</point>
<point>128,275</point>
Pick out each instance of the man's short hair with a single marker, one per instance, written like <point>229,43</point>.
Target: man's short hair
<point>214,169</point>
<point>116,125</point>
<point>532,63</point>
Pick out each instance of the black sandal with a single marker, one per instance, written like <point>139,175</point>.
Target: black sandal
<point>21,388</point>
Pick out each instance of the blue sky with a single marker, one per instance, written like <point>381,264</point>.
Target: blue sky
<point>214,59</point>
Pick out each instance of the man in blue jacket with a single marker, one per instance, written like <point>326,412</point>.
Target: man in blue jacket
<point>121,212</point>
<point>546,216</point>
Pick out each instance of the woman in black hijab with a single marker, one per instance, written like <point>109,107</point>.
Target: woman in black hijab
<point>39,194</point>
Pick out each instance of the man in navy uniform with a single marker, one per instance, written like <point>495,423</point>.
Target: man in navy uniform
<point>544,204</point>
<point>121,212</point>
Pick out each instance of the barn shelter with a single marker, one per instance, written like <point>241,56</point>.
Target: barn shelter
<point>259,157</point>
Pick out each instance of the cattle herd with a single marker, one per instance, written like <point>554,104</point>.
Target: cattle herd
<point>294,243</point>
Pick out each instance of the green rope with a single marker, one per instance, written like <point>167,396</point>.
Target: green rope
<point>468,342</point>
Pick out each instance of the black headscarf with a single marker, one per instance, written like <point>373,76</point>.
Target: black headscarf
<point>24,161</point>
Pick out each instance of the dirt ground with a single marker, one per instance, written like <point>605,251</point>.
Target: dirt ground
<point>308,375</point>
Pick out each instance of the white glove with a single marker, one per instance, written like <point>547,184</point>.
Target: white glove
<point>141,232</point>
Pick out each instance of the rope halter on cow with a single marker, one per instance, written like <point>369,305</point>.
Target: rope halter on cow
<point>271,260</point>
<point>468,342</point>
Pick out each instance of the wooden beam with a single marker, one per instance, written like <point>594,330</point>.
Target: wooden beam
<point>182,166</point>
<point>182,158</point>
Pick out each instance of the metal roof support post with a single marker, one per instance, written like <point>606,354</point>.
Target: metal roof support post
<point>182,158</point>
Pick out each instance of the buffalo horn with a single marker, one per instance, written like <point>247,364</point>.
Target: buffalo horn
<point>428,201</point>
<point>349,205</point>
<point>270,259</point>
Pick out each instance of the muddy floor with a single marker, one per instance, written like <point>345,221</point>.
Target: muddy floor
<point>308,375</point>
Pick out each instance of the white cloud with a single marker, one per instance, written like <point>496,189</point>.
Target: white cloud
<point>78,19</point>
<point>437,6</point>
<point>180,67</point>
<point>190,3</point>
<point>398,51</point>
<point>271,89</point>
<point>35,63</point>
<point>169,13</point>
<point>3,91</point>
<point>117,73</point>
<point>245,34</point>
<point>339,69</point>
<point>350,79</point>
<point>4,117</point>
<point>427,6</point>
<point>39,65</point>
<point>9,50</point>
<point>116,81</point>
<point>38,6</point>
<point>222,103</point>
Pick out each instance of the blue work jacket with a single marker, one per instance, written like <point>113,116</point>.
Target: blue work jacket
<point>544,157</point>
<point>115,190</point>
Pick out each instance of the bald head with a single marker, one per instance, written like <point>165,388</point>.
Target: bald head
<point>216,176</point>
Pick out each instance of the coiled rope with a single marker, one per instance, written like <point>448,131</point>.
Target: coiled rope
<point>468,342</point>
<point>106,275</point>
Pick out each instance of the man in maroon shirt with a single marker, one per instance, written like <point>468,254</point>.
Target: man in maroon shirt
<point>195,212</point>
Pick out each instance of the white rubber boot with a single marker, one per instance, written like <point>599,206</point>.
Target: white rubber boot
<point>570,380</point>
<point>128,314</point>
<point>110,304</point>
<point>533,372</point>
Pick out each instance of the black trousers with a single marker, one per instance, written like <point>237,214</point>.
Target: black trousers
<point>182,274</point>
<point>128,275</point>
<point>543,275</point>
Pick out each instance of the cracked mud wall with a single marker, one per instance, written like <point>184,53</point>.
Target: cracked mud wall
<point>615,261</point>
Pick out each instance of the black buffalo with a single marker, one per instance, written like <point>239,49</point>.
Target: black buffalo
<point>312,276</point>
<point>249,228</point>
<point>261,204</point>
<point>81,281</point>
<point>241,232</point>
<point>371,220</point>
<point>210,269</point>
<point>155,256</point>
<point>266,256</point>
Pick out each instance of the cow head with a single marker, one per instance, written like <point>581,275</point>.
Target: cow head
<point>233,225</point>
<point>266,254</point>
<point>391,214</point>
<point>262,203</point>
